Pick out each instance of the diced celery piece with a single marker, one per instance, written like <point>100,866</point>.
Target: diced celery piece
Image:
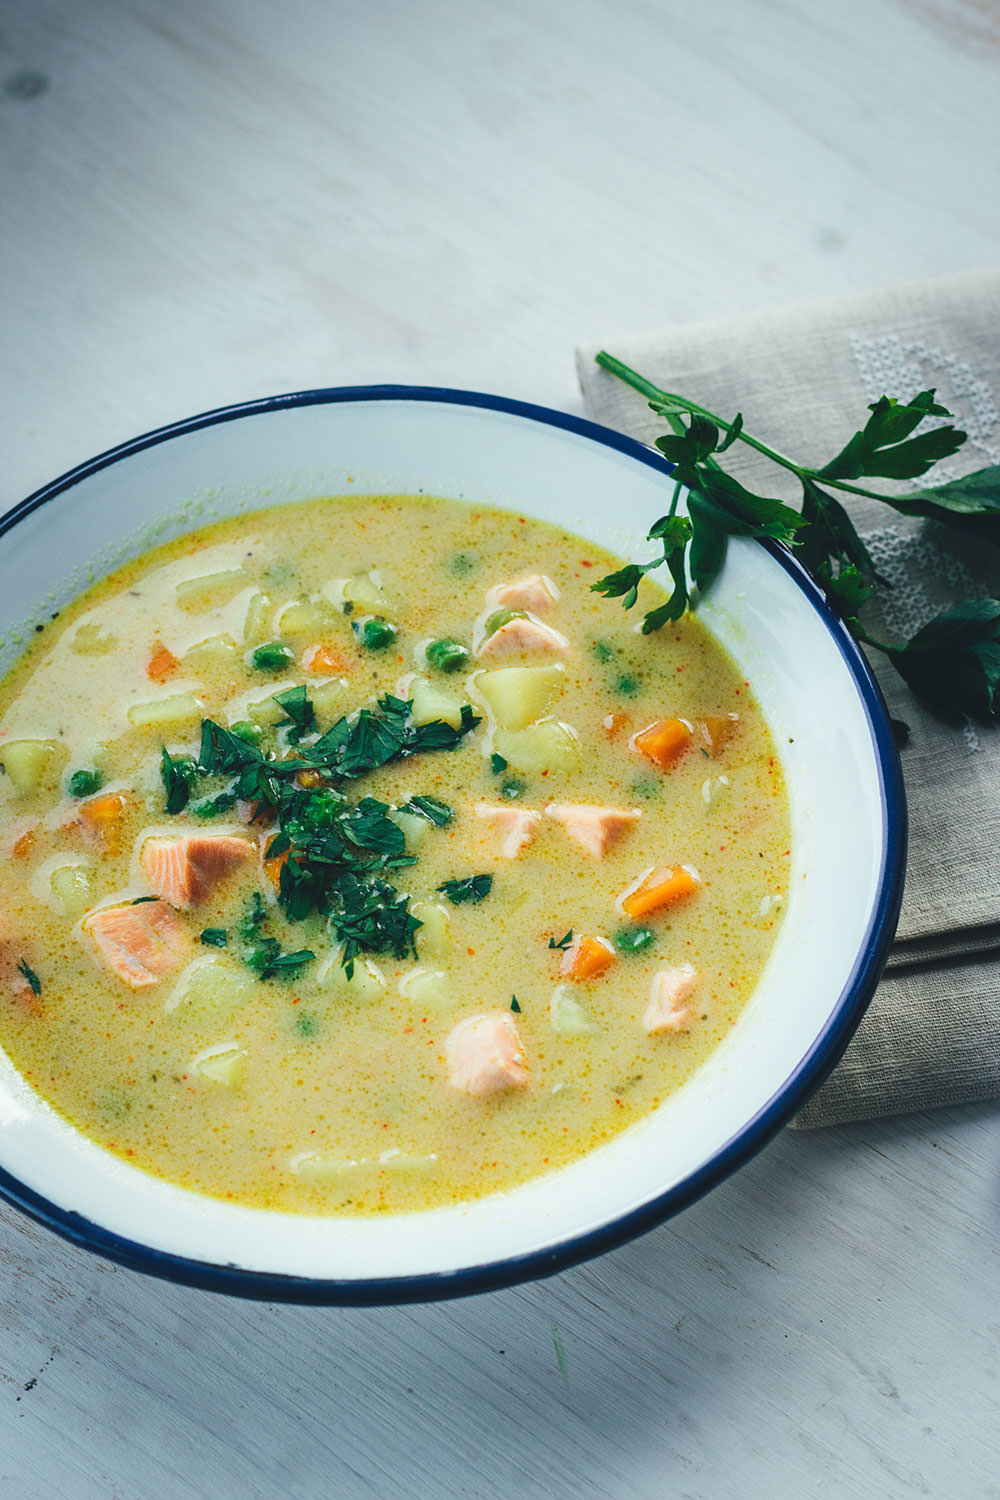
<point>265,710</point>
<point>74,886</point>
<point>94,640</point>
<point>366,984</point>
<point>431,702</point>
<point>210,590</point>
<point>539,747</point>
<point>426,988</point>
<point>395,1160</point>
<point>328,700</point>
<point>32,764</point>
<point>415,828</point>
<point>313,1166</point>
<point>306,617</point>
<point>518,696</point>
<point>164,713</point>
<point>215,653</point>
<point>225,1064</point>
<point>568,1014</point>
<point>433,938</point>
<point>257,625</point>
<point>365,591</point>
<point>208,987</point>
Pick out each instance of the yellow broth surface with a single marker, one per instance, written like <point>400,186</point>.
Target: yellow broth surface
<point>298,1088</point>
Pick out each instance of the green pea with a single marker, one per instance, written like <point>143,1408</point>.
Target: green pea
<point>85,783</point>
<point>273,656</point>
<point>501,617</point>
<point>447,656</point>
<point>244,730</point>
<point>375,634</point>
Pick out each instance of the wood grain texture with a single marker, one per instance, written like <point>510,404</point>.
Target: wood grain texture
<point>205,201</point>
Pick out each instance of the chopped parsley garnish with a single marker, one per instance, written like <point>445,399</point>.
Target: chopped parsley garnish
<point>85,783</point>
<point>214,807</point>
<point>472,888</point>
<point>30,975</point>
<point>497,764</point>
<point>633,939</point>
<point>270,963</point>
<point>178,773</point>
<point>515,1005</point>
<point>438,813</point>
<point>214,937</point>
<point>335,854</point>
<point>299,713</point>
<point>563,942</point>
<point>513,788</point>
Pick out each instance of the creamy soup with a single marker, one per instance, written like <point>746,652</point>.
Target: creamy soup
<point>361,858</point>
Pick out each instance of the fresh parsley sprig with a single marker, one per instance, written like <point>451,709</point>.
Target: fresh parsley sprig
<point>953,662</point>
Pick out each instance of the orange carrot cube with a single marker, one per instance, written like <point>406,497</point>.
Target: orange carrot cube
<point>662,887</point>
<point>663,742</point>
<point>161,663</point>
<point>586,957</point>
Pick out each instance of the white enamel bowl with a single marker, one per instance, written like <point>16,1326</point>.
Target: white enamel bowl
<point>848,840</point>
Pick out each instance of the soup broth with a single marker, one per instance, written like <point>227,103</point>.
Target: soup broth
<point>361,858</point>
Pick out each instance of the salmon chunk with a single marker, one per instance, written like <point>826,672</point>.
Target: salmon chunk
<point>186,870</point>
<point>139,943</point>
<point>536,592</point>
<point>594,828</point>
<point>485,1057</point>
<point>667,1009</point>
<point>523,636</point>
<point>515,826</point>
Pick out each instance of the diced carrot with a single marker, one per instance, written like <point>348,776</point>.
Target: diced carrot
<point>161,663</point>
<point>660,888</point>
<point>273,867</point>
<point>102,820</point>
<point>614,724</point>
<point>664,741</point>
<point>23,844</point>
<point>717,730</point>
<point>586,957</point>
<point>323,660</point>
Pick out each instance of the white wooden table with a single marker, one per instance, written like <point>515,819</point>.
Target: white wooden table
<point>207,200</point>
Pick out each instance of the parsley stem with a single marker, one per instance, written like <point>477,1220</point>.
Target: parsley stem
<point>655,394</point>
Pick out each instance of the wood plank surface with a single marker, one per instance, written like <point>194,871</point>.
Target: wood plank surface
<point>205,201</point>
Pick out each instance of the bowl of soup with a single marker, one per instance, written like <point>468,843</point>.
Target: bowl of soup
<point>383,915</point>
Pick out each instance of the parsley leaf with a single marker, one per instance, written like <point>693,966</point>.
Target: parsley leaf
<point>953,663</point>
<point>177,774</point>
<point>473,888</point>
<point>29,974</point>
<point>438,813</point>
<point>563,942</point>
<point>214,937</point>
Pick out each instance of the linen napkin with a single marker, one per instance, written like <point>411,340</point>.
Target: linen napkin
<point>803,377</point>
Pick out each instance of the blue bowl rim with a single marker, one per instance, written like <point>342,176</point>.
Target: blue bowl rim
<point>826,1050</point>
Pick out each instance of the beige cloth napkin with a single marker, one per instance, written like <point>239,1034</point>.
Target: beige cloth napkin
<point>803,377</point>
